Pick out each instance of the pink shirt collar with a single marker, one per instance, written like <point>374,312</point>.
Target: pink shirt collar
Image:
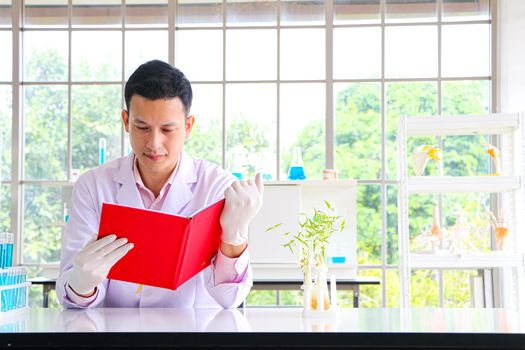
<point>147,196</point>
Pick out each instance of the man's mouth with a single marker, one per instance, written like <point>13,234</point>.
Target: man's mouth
<point>154,156</point>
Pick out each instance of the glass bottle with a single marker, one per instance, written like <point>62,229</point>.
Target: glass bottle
<point>296,171</point>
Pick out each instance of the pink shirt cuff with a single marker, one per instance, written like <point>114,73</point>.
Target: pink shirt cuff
<point>230,270</point>
<point>77,299</point>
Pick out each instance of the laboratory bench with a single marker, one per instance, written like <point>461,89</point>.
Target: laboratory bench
<point>428,328</point>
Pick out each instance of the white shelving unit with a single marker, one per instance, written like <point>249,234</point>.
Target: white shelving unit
<point>511,130</point>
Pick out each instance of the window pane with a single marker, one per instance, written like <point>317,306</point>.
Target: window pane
<point>352,64</point>
<point>460,60</point>
<point>96,13</point>
<point>199,13</point>
<point>392,238</point>
<point>358,130</point>
<point>466,97</point>
<point>251,54</point>
<point>465,156</point>
<point>424,288</point>
<point>48,13</point>
<point>369,295</point>
<point>43,224</point>
<point>45,129</point>
<point>5,13</point>
<point>6,59</point>
<point>406,11</point>
<point>251,128</point>
<point>302,54</point>
<point>457,288</point>
<point>412,98</point>
<point>5,205</point>
<point>150,13</point>
<point>205,140</point>
<point>95,114</point>
<point>473,10</point>
<point>302,124</point>
<point>302,12</point>
<point>392,288</point>
<point>96,56</point>
<point>368,218</point>
<point>356,11</point>
<point>420,213</point>
<point>246,13</point>
<point>261,298</point>
<point>198,53</point>
<point>153,46</point>
<point>6,103</point>
<point>404,59</point>
<point>45,56</point>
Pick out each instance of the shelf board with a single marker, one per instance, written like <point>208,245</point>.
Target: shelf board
<point>437,184</point>
<point>462,125</point>
<point>313,183</point>
<point>466,261</point>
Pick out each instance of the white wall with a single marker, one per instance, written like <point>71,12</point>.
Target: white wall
<point>511,55</point>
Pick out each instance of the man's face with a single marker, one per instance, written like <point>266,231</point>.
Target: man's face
<point>157,130</point>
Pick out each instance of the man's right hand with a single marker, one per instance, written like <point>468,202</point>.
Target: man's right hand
<point>91,265</point>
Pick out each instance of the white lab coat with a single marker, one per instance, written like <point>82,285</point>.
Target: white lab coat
<point>196,184</point>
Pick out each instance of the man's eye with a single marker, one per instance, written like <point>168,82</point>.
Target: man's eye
<point>142,127</point>
<point>168,130</point>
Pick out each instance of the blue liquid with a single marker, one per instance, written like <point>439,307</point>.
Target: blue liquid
<point>238,175</point>
<point>338,259</point>
<point>9,255</point>
<point>296,173</point>
<point>101,156</point>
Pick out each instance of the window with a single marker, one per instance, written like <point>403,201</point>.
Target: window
<point>329,76</point>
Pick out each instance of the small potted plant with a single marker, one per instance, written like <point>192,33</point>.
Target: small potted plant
<point>309,244</point>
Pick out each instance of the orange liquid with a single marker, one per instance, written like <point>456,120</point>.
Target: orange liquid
<point>501,232</point>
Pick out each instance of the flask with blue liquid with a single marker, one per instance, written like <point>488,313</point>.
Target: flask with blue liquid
<point>296,171</point>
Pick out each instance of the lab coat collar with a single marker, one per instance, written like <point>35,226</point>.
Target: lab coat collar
<point>128,194</point>
<point>178,195</point>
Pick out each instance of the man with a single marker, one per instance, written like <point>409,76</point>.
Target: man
<point>158,175</point>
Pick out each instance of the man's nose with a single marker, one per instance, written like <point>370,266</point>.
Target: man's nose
<point>155,140</point>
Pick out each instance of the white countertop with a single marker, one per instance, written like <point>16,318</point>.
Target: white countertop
<point>275,320</point>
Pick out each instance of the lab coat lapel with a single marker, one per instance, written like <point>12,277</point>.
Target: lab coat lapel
<point>128,193</point>
<point>180,192</point>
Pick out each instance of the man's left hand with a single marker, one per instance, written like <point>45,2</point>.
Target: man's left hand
<point>243,202</point>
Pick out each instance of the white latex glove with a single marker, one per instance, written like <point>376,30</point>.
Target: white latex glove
<point>243,201</point>
<point>91,265</point>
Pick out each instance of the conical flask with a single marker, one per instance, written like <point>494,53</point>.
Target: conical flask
<point>296,171</point>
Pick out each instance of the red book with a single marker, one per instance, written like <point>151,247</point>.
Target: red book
<point>168,249</point>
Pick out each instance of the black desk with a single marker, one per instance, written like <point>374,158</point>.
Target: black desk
<point>48,284</point>
<point>352,284</point>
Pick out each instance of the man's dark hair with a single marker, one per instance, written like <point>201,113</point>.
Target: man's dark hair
<point>156,79</point>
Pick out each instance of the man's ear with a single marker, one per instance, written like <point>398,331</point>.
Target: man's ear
<point>190,121</point>
<point>125,120</point>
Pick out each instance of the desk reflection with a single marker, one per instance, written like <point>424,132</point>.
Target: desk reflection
<point>153,320</point>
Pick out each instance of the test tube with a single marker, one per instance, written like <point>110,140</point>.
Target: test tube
<point>2,250</point>
<point>101,150</point>
<point>10,241</point>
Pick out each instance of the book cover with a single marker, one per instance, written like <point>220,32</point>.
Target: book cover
<point>168,249</point>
